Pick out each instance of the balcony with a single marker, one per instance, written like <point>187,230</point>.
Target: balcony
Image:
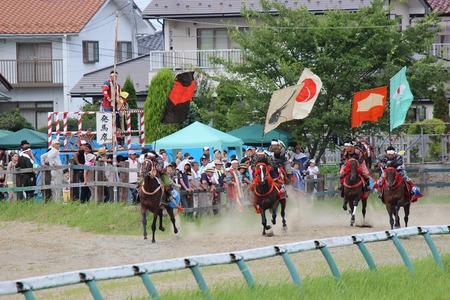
<point>191,59</point>
<point>33,73</point>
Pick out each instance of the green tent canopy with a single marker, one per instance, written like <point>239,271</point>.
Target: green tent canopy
<point>198,135</point>
<point>252,135</point>
<point>12,141</point>
<point>4,132</point>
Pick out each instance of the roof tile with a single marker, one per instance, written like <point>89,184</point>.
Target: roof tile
<point>442,6</point>
<point>46,16</point>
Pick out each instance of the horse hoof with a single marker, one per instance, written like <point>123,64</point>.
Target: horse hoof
<point>153,241</point>
<point>268,227</point>
<point>351,224</point>
<point>145,237</point>
<point>175,230</point>
<point>162,228</point>
<point>274,221</point>
<point>344,207</point>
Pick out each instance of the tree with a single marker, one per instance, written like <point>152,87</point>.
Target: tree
<point>128,87</point>
<point>349,51</point>
<point>158,91</point>
<point>14,121</point>
<point>434,127</point>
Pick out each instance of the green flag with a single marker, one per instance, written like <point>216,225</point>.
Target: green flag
<point>400,98</point>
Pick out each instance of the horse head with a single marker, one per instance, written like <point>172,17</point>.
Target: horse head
<point>261,173</point>
<point>148,169</point>
<point>353,166</point>
<point>392,177</point>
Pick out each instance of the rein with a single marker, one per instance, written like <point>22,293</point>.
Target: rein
<point>353,186</point>
<point>262,195</point>
<point>150,193</point>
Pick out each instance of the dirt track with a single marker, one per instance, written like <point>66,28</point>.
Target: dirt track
<point>28,249</point>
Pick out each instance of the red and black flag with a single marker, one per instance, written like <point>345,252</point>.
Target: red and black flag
<point>178,102</point>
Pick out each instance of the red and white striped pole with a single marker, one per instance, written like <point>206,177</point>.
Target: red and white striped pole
<point>142,128</point>
<point>129,130</point>
<point>49,129</point>
<point>65,129</point>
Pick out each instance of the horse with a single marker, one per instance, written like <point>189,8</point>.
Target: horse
<point>266,196</point>
<point>395,195</point>
<point>150,196</point>
<point>353,191</point>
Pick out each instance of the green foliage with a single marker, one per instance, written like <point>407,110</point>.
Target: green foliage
<point>349,51</point>
<point>128,87</point>
<point>435,127</point>
<point>14,121</point>
<point>430,126</point>
<point>158,91</point>
<point>329,169</point>
<point>440,108</point>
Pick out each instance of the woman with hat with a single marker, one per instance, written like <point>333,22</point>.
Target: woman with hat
<point>244,175</point>
<point>88,175</point>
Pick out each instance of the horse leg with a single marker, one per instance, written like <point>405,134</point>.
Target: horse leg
<point>397,216</point>
<point>363,210</point>
<point>344,205</point>
<point>160,214</point>
<point>406,209</point>
<point>144,223</point>
<point>172,218</point>
<point>390,213</point>
<point>155,217</point>
<point>283,211</point>
<point>351,210</point>
<point>274,214</point>
<point>264,222</point>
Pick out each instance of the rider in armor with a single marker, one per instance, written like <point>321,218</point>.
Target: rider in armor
<point>161,173</point>
<point>279,159</point>
<point>350,151</point>
<point>395,160</point>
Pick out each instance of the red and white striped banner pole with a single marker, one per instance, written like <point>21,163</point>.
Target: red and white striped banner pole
<point>129,130</point>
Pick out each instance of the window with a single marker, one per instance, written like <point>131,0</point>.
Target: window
<point>90,52</point>
<point>124,51</point>
<point>209,39</point>
<point>34,62</point>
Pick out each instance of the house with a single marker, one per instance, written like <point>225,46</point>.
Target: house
<point>195,30</point>
<point>47,46</point>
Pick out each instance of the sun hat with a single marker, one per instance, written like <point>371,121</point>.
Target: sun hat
<point>242,166</point>
<point>209,169</point>
<point>101,151</point>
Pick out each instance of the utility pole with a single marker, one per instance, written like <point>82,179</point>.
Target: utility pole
<point>114,96</point>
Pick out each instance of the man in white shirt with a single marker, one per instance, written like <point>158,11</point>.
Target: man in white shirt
<point>133,175</point>
<point>52,159</point>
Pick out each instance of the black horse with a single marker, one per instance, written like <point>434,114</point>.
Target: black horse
<point>354,190</point>
<point>266,196</point>
<point>395,195</point>
<point>150,196</point>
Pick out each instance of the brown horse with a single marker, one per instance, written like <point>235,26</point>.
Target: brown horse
<point>266,196</point>
<point>395,195</point>
<point>354,190</point>
<point>150,196</point>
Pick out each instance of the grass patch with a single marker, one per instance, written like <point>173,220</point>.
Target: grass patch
<point>389,282</point>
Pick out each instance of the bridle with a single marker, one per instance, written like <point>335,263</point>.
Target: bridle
<point>262,179</point>
<point>148,169</point>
